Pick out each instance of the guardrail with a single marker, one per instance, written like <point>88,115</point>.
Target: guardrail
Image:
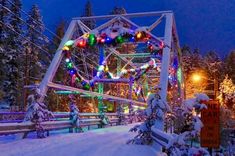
<point>12,122</point>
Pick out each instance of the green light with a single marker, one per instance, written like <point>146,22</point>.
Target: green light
<point>70,65</point>
<point>179,75</point>
<point>86,86</point>
<point>69,43</point>
<point>78,79</point>
<point>119,39</point>
<point>91,40</point>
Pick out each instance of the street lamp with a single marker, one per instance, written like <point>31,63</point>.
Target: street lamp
<point>196,77</point>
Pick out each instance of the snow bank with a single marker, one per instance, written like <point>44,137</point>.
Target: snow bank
<point>100,142</point>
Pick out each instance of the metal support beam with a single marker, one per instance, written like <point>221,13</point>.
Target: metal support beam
<point>166,57</point>
<point>56,61</point>
<point>151,27</point>
<point>130,15</point>
<point>136,55</point>
<point>112,80</point>
<point>105,96</point>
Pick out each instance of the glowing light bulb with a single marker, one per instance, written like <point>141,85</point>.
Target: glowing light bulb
<point>139,35</point>
<point>67,60</point>
<point>65,48</point>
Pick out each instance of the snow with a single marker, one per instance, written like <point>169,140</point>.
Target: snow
<point>100,142</point>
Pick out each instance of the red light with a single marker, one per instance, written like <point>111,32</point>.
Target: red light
<point>82,43</point>
<point>102,40</point>
<point>161,46</point>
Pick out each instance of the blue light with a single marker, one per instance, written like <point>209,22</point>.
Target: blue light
<point>108,40</point>
<point>72,71</point>
<point>132,39</point>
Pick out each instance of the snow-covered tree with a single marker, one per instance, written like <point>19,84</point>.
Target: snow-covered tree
<point>12,52</point>
<point>192,62</point>
<point>213,64</point>
<point>155,115</point>
<point>189,115</point>
<point>230,65</point>
<point>74,116</point>
<point>37,112</point>
<point>37,58</point>
<point>3,36</point>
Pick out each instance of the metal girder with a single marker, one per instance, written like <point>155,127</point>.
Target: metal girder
<point>170,36</point>
<point>105,96</point>
<point>166,56</point>
<point>136,55</point>
<point>130,15</point>
<point>151,27</point>
<point>56,61</point>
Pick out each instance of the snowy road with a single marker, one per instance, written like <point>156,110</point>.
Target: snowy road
<point>100,142</point>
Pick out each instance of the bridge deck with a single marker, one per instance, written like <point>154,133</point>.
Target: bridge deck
<point>106,142</point>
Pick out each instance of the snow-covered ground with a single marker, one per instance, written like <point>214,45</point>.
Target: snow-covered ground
<point>100,142</point>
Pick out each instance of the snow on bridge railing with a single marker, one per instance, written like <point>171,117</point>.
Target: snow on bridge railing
<point>17,117</point>
<point>61,120</point>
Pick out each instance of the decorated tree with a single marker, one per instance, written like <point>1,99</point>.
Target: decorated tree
<point>227,93</point>
<point>37,112</point>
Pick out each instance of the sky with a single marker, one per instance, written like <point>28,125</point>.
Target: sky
<point>204,24</point>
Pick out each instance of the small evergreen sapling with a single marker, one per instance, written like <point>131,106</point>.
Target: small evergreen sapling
<point>37,112</point>
<point>155,116</point>
<point>190,111</point>
<point>74,116</point>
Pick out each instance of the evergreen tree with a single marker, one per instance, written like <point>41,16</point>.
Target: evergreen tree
<point>88,12</point>
<point>118,10</point>
<point>59,77</point>
<point>3,37</point>
<point>35,59</point>
<point>34,54</point>
<point>59,31</point>
<point>213,65</point>
<point>192,62</point>
<point>12,54</point>
<point>230,65</point>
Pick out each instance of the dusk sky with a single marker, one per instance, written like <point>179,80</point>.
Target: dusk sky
<point>204,24</point>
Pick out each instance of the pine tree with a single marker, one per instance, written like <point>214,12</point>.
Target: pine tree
<point>35,29</point>
<point>37,112</point>
<point>59,31</point>
<point>213,65</point>
<point>3,37</point>
<point>35,60</point>
<point>12,54</point>
<point>192,62</point>
<point>59,77</point>
<point>88,12</point>
<point>230,65</point>
<point>118,10</point>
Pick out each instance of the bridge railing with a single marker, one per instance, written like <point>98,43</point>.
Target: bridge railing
<point>12,122</point>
